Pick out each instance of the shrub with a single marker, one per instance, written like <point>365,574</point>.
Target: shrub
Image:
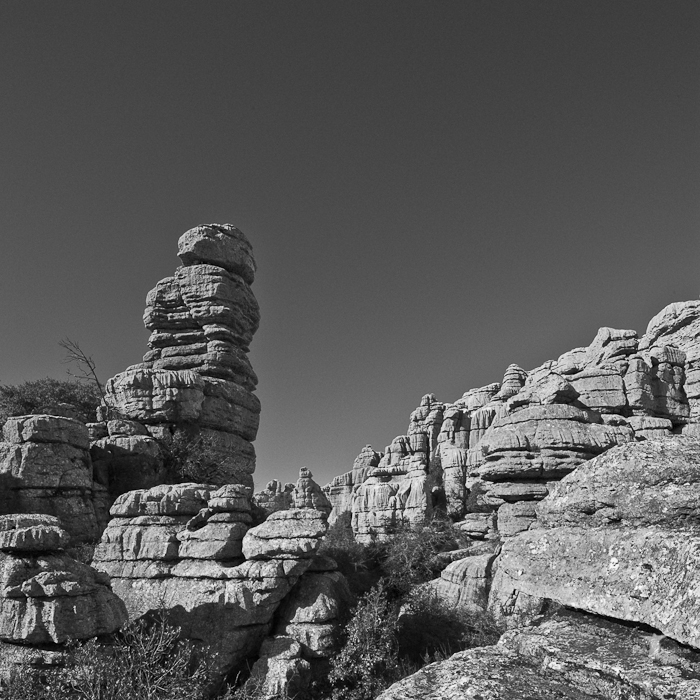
<point>409,557</point>
<point>359,564</point>
<point>432,629</point>
<point>369,658</point>
<point>146,661</point>
<point>191,456</point>
<point>33,396</point>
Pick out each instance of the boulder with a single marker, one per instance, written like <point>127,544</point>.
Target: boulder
<point>627,524</point>
<point>568,656</point>
<point>46,597</point>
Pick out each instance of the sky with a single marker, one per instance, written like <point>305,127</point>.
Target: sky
<point>433,190</point>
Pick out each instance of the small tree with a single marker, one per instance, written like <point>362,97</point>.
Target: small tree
<point>33,396</point>
<point>409,557</point>
<point>85,366</point>
<point>369,659</point>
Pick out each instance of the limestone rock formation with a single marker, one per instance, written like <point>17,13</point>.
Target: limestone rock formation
<point>465,583</point>
<point>308,494</point>
<point>501,446</point>
<point>45,596</point>
<point>196,373</point>
<point>275,496</point>
<point>568,656</point>
<point>45,467</point>
<point>340,491</point>
<point>627,524</point>
<point>189,547</point>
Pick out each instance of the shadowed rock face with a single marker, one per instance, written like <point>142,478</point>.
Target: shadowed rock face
<point>189,548</point>
<point>196,373</point>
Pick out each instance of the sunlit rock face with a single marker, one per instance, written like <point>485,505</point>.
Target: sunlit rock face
<point>196,372</point>
<point>47,598</point>
<point>190,549</point>
<point>618,537</point>
<point>499,447</point>
<point>45,467</point>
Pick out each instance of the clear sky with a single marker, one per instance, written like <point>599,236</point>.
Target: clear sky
<point>433,189</point>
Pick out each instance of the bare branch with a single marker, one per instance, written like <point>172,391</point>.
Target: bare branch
<point>85,365</point>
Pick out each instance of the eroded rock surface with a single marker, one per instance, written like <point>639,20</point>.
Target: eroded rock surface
<point>46,597</point>
<point>188,548</point>
<point>45,467</point>
<point>618,537</point>
<point>570,656</point>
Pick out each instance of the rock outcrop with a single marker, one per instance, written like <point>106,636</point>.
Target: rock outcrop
<point>568,656</point>
<point>196,374</point>
<point>275,496</point>
<point>189,548</point>
<point>500,447</point>
<point>46,597</point>
<point>308,494</point>
<point>628,524</point>
<point>45,467</point>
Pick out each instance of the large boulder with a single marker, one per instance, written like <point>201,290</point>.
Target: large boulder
<point>627,524</point>
<point>46,596</point>
<point>568,656</point>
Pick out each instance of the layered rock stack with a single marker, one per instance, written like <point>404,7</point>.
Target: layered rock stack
<point>196,374</point>
<point>341,488</point>
<point>188,548</point>
<point>46,597</point>
<point>45,467</point>
<point>306,633</point>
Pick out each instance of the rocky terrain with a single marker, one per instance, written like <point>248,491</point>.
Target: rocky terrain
<point>574,486</point>
<point>238,576</point>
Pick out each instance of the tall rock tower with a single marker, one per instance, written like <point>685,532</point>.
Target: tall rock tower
<point>196,374</point>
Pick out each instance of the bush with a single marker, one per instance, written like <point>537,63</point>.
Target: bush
<point>409,557</point>
<point>369,659</point>
<point>146,661</point>
<point>431,629</point>
<point>34,396</point>
<point>191,456</point>
<point>359,564</point>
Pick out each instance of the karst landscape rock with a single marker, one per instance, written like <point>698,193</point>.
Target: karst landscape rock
<point>575,486</point>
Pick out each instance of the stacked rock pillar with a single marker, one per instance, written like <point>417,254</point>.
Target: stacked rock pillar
<point>196,380</point>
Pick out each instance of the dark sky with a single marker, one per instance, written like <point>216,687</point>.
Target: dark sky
<point>433,190</point>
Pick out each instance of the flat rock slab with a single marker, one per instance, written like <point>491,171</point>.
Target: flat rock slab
<point>572,657</point>
<point>649,575</point>
<point>654,482</point>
